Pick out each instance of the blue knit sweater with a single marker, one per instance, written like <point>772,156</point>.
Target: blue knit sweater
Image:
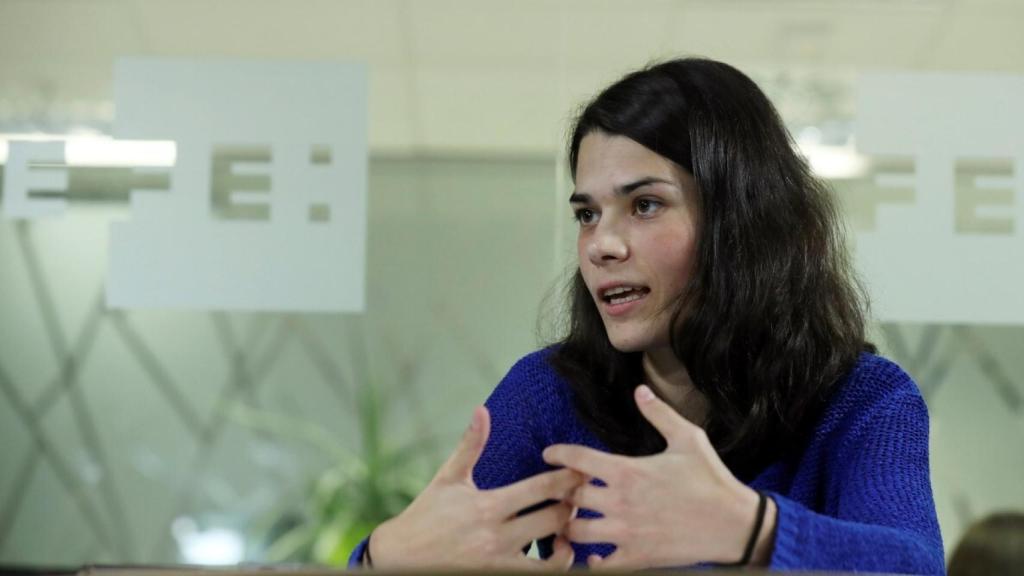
<point>856,498</point>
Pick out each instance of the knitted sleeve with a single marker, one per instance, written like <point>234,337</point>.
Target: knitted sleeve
<point>879,476</point>
<point>517,406</point>
<point>513,450</point>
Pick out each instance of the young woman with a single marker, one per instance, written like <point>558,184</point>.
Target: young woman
<point>715,400</point>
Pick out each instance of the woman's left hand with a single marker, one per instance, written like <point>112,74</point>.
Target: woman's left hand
<point>675,508</point>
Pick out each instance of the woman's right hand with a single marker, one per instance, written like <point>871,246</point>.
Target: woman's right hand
<point>454,524</point>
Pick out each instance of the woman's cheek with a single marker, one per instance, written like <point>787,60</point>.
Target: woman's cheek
<point>672,256</point>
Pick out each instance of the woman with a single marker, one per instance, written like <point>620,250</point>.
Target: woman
<point>715,400</point>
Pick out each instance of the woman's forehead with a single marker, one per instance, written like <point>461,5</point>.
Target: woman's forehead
<point>616,165</point>
<point>608,162</point>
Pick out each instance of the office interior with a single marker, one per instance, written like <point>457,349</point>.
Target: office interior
<point>220,436</point>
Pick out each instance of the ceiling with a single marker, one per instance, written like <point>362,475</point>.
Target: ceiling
<point>491,77</point>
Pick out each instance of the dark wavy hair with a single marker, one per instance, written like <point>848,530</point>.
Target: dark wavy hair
<point>774,316</point>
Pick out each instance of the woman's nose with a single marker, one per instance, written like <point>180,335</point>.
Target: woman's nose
<point>607,245</point>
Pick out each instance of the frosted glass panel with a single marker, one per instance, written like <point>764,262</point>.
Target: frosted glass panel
<point>209,431</point>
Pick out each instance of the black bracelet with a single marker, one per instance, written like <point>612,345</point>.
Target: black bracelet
<point>367,559</point>
<point>762,507</point>
<point>748,552</point>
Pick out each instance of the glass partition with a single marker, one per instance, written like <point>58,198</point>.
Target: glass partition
<point>213,435</point>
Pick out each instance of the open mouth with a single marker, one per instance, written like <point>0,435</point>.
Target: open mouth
<point>624,294</point>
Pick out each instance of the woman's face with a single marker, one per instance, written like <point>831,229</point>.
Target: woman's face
<point>638,218</point>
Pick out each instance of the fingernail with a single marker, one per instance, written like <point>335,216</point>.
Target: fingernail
<point>644,394</point>
<point>474,422</point>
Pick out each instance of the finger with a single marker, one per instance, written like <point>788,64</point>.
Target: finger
<point>459,466</point>
<point>663,417</point>
<point>552,485</point>
<point>561,559</point>
<point>535,525</point>
<point>519,564</point>
<point>592,497</point>
<point>616,561</point>
<point>563,555</point>
<point>594,531</point>
<point>587,460</point>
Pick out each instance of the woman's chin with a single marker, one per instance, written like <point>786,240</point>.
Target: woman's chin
<point>626,345</point>
<point>635,340</point>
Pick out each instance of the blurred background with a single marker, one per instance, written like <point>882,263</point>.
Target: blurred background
<point>158,436</point>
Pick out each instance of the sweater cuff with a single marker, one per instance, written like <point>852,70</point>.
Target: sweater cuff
<point>786,551</point>
<point>355,560</point>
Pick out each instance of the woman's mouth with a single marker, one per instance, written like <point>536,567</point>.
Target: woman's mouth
<point>620,299</point>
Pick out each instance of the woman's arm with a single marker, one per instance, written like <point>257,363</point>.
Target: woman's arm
<point>884,510</point>
<point>508,462</point>
<point>679,507</point>
<point>682,506</point>
<point>806,540</point>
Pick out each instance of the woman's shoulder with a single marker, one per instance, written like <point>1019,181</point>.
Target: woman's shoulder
<point>536,371</point>
<point>873,386</point>
<point>534,380</point>
<point>875,378</point>
<point>536,400</point>
<point>536,361</point>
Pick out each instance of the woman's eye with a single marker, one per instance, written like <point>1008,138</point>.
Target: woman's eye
<point>647,206</point>
<point>585,216</point>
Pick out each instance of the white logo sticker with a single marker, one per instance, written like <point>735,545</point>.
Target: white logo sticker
<point>948,245</point>
<point>266,203</point>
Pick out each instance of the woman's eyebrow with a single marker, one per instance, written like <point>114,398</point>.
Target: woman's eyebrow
<point>580,198</point>
<point>627,189</point>
<point>623,190</point>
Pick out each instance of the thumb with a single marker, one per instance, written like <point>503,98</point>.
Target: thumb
<point>459,466</point>
<point>669,423</point>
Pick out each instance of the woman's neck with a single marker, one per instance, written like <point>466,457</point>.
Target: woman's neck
<point>670,380</point>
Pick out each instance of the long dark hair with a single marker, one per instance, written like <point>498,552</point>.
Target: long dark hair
<point>774,316</point>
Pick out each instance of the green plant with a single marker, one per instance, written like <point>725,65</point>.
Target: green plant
<point>352,496</point>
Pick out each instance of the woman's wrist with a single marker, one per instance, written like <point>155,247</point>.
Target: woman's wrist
<point>747,513</point>
<point>375,556</point>
<point>367,559</point>
<point>766,538</point>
